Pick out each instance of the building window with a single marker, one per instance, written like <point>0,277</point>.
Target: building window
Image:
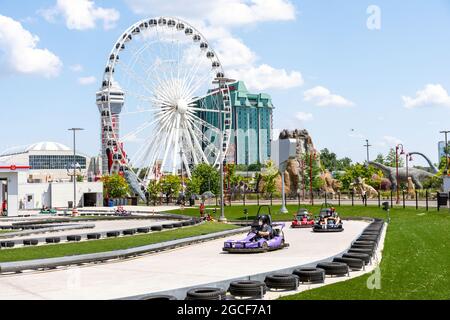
<point>41,162</point>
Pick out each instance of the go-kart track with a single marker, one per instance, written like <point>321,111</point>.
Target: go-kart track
<point>196,265</point>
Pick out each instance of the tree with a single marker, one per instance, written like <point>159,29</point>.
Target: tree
<point>170,185</point>
<point>115,186</point>
<point>209,178</point>
<point>153,190</point>
<point>331,163</point>
<point>343,164</point>
<point>360,171</point>
<point>328,159</point>
<point>193,186</point>
<point>390,159</point>
<point>380,159</point>
<point>269,177</point>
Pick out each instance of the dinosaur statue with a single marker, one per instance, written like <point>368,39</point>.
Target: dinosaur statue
<point>359,185</point>
<point>418,176</point>
<point>432,166</point>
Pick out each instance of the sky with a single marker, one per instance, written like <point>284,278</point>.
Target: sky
<point>346,70</point>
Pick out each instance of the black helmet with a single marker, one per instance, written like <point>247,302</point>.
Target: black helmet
<point>264,218</point>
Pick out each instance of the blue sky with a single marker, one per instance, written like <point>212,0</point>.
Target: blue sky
<point>325,69</point>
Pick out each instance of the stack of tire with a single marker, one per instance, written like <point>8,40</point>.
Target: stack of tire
<point>364,248</point>
<point>248,289</point>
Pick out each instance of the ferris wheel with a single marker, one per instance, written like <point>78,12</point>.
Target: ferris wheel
<point>164,101</point>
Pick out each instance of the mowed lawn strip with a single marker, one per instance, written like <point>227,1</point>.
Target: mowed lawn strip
<point>237,212</point>
<point>95,246</point>
<point>416,255</point>
<point>415,263</point>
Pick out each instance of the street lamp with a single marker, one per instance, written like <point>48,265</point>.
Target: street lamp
<point>446,132</point>
<point>312,155</point>
<point>74,207</point>
<point>402,152</point>
<point>408,158</point>
<point>367,145</point>
<point>221,82</point>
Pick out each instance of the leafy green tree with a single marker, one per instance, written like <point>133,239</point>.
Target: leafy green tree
<point>153,189</point>
<point>390,159</point>
<point>209,178</point>
<point>269,177</point>
<point>193,186</point>
<point>115,186</point>
<point>380,159</point>
<point>170,185</point>
<point>254,167</point>
<point>343,164</point>
<point>328,159</point>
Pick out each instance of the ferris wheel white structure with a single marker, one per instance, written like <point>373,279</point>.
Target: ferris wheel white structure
<point>164,101</point>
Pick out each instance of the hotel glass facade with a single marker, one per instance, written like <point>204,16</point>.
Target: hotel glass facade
<point>251,126</point>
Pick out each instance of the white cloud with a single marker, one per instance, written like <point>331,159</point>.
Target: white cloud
<point>76,68</point>
<point>81,14</point>
<point>431,95</point>
<point>230,13</point>
<point>84,81</point>
<point>21,54</point>
<point>323,97</point>
<point>304,116</point>
<point>389,141</point>
<point>217,19</point>
<point>264,77</point>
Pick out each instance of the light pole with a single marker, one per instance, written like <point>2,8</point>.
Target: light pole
<point>74,207</point>
<point>367,145</point>
<point>446,132</point>
<point>397,148</point>
<point>221,82</point>
<point>408,158</point>
<point>311,155</point>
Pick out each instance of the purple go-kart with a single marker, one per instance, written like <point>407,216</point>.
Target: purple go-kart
<point>254,243</point>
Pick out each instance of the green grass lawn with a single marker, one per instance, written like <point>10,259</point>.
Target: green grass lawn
<point>5,231</point>
<point>416,256</point>
<point>69,249</point>
<point>237,212</point>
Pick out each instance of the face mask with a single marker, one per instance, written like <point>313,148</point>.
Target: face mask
<point>260,223</point>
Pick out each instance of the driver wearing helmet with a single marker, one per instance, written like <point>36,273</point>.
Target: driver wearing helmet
<point>265,229</point>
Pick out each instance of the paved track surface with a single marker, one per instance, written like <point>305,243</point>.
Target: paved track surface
<point>189,266</point>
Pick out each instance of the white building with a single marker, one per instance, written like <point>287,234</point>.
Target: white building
<point>46,180</point>
<point>50,161</point>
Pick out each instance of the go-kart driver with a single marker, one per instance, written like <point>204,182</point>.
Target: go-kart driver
<point>333,217</point>
<point>264,228</point>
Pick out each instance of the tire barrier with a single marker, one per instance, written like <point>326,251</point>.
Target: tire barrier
<point>364,246</point>
<point>129,232</point>
<point>248,289</point>
<point>359,250</point>
<point>364,257</point>
<point>113,234</point>
<point>168,226</point>
<point>143,230</point>
<point>353,263</point>
<point>53,240</point>
<point>282,281</point>
<point>156,228</point>
<point>310,275</point>
<point>337,269</point>
<point>206,294</point>
<point>7,244</point>
<point>30,242</point>
<point>177,225</point>
<point>94,236</point>
<point>73,238</point>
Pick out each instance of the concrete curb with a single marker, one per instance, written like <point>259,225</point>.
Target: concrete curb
<point>52,263</point>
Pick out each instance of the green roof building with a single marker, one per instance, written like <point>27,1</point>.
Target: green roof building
<point>252,125</point>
